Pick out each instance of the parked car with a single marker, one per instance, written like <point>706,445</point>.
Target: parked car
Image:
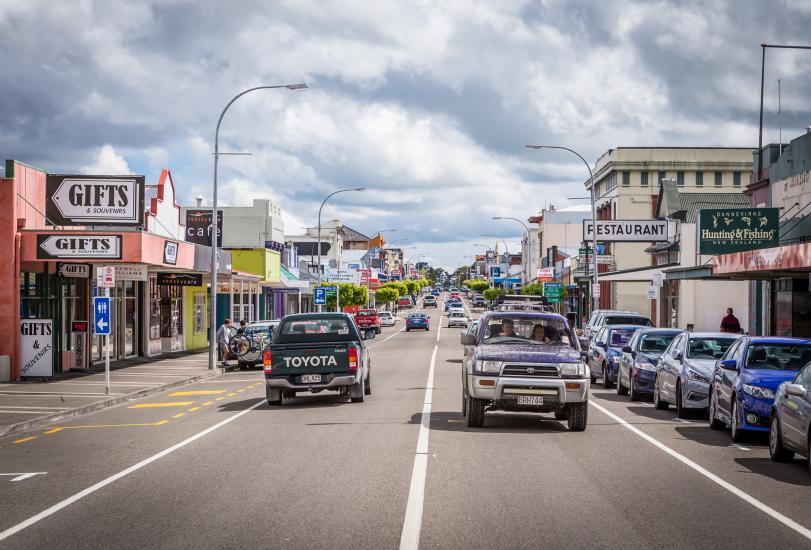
<point>259,332</point>
<point>746,379</point>
<point>686,368</point>
<point>508,370</point>
<point>590,326</point>
<point>368,319</point>
<point>387,318</point>
<point>429,301</point>
<point>605,350</point>
<point>417,321</point>
<point>457,319</point>
<point>314,352</point>
<point>790,430</point>
<point>637,369</point>
<point>609,318</point>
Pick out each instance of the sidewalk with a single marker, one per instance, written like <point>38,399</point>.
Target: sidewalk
<point>30,404</point>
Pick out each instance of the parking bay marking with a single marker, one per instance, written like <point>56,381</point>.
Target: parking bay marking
<point>20,476</point>
<point>788,522</point>
<point>112,479</point>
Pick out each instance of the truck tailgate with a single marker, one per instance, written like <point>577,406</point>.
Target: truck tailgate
<point>323,358</point>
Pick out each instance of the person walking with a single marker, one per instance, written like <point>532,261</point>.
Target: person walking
<point>730,323</point>
<point>223,336</point>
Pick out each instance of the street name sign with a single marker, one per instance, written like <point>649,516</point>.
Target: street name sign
<point>626,230</point>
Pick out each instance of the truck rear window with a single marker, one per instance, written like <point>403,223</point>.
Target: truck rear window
<point>315,330</point>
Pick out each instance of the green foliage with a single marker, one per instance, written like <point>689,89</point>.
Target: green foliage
<point>477,285</point>
<point>493,293</point>
<point>350,294</point>
<point>386,295</point>
<point>533,289</point>
<point>411,286</point>
<point>401,288</point>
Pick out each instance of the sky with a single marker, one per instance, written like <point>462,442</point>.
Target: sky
<point>427,104</point>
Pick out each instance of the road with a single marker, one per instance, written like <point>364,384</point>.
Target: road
<point>221,469</point>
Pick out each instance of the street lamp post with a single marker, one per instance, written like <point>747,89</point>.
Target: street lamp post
<point>506,248</point>
<point>594,303</point>
<point>318,244</point>
<point>212,338</point>
<point>529,241</point>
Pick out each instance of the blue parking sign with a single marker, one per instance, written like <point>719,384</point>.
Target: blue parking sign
<point>320,296</point>
<point>101,315</point>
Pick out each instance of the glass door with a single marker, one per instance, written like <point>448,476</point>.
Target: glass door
<point>129,318</point>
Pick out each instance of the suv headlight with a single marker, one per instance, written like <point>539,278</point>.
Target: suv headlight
<point>489,366</point>
<point>757,391</point>
<point>573,370</point>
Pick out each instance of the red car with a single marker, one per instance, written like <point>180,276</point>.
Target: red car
<point>367,319</point>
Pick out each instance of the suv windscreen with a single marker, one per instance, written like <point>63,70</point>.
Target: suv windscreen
<point>523,330</point>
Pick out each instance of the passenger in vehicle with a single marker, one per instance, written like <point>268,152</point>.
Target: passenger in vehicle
<point>539,334</point>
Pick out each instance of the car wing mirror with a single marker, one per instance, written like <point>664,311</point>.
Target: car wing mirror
<point>626,349</point>
<point>797,390</point>
<point>468,339</point>
<point>729,364</point>
<point>676,355</point>
<point>602,345</point>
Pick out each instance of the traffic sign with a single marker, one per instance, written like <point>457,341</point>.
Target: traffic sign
<point>553,291</point>
<point>101,319</point>
<point>585,251</point>
<point>105,277</point>
<point>320,296</point>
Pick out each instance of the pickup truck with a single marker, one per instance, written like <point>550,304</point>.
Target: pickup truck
<point>524,361</point>
<point>368,319</point>
<point>313,352</point>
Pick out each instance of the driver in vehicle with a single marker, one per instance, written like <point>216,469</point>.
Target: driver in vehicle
<point>508,329</point>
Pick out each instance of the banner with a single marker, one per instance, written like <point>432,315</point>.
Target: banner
<point>725,230</point>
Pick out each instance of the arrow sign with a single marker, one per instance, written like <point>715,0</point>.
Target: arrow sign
<point>62,245</point>
<point>101,312</point>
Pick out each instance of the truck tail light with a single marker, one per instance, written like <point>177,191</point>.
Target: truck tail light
<point>353,358</point>
<point>267,365</point>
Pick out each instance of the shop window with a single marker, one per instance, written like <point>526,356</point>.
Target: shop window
<point>171,311</point>
<point>199,312</point>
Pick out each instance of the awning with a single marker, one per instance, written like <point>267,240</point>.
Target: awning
<point>288,280</point>
<point>639,275</point>
<point>765,263</point>
<point>682,273</point>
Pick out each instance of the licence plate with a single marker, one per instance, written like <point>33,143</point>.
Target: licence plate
<point>530,400</point>
<point>310,378</point>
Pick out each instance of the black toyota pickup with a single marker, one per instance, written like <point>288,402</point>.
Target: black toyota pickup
<point>313,352</point>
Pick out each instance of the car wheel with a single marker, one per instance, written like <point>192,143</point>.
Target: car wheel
<point>358,394</point>
<point>408,329</point>
<point>275,397</point>
<point>593,378</point>
<point>377,330</point>
<point>736,432</point>
<point>561,415</point>
<point>578,416</point>
<point>776,449</point>
<point>621,390</point>
<point>475,412</point>
<point>658,403</point>
<point>715,424</point>
<point>681,412</point>
<point>464,402</point>
<point>633,395</point>
<point>367,388</point>
<point>606,382</point>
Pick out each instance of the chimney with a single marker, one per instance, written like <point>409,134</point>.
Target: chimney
<point>199,199</point>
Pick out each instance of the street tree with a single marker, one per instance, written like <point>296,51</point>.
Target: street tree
<point>386,295</point>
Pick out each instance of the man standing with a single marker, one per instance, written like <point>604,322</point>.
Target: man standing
<point>223,336</point>
<point>730,323</point>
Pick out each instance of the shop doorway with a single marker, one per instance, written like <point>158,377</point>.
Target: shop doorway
<point>124,316</point>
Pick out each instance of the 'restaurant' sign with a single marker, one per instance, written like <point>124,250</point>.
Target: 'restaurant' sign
<point>72,271</point>
<point>95,200</point>
<point>626,230</point>
<point>725,230</point>
<point>180,279</point>
<point>199,227</point>
<point>59,245</point>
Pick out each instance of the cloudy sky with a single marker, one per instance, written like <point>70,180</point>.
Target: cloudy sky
<point>426,103</point>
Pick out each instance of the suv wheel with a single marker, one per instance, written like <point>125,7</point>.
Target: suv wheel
<point>658,403</point>
<point>367,387</point>
<point>275,397</point>
<point>475,412</point>
<point>776,449</point>
<point>357,392</point>
<point>578,416</point>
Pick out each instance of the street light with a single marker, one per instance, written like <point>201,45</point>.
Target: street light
<point>594,304</point>
<point>506,248</point>
<point>529,242</point>
<point>212,337</point>
<point>319,225</point>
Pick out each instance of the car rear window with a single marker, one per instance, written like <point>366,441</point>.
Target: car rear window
<point>315,330</point>
<point>627,320</point>
<point>366,313</point>
<point>621,336</point>
<point>655,343</point>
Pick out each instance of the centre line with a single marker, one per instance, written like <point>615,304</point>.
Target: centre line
<point>788,522</point>
<point>412,524</point>
<point>115,477</point>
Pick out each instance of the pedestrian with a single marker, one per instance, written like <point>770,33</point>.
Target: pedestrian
<point>730,323</point>
<point>242,325</point>
<point>223,336</point>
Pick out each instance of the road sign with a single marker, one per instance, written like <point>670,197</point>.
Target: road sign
<point>585,251</point>
<point>595,290</point>
<point>553,291</point>
<point>320,296</point>
<point>101,319</point>
<point>105,276</point>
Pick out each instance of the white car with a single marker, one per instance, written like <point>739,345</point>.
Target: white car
<point>457,319</point>
<point>456,309</point>
<point>387,318</point>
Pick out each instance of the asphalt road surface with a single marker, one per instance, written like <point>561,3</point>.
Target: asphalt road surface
<point>212,466</point>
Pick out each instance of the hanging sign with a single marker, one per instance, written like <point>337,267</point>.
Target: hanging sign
<point>72,271</point>
<point>170,252</point>
<point>180,279</point>
<point>199,227</point>
<point>36,348</point>
<point>127,272</point>
<point>105,276</point>
<point>95,200</point>
<point>58,245</point>
<point>725,230</point>
<point>626,230</point>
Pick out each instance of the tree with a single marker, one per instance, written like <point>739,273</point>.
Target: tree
<point>476,285</point>
<point>386,295</point>
<point>411,286</point>
<point>401,288</point>
<point>350,294</point>
<point>533,289</point>
<point>493,293</point>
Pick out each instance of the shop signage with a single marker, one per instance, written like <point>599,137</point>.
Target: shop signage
<point>58,245</point>
<point>546,273</point>
<point>95,200</point>
<point>180,279</point>
<point>198,226</point>
<point>595,290</point>
<point>653,292</point>
<point>79,336</point>
<point>725,230</point>
<point>273,245</point>
<point>79,326</point>
<point>105,277</point>
<point>128,272</point>
<point>626,230</point>
<point>72,271</point>
<point>170,252</point>
<point>791,190</point>
<point>342,276</point>
<point>792,256</point>
<point>36,348</point>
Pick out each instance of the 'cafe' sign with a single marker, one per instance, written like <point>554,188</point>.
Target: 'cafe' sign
<point>95,200</point>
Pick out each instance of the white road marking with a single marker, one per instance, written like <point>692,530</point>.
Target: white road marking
<point>741,447</point>
<point>412,523</point>
<point>115,477</point>
<point>51,393</point>
<point>683,421</point>
<point>788,522</point>
<point>20,476</point>
<point>37,408</point>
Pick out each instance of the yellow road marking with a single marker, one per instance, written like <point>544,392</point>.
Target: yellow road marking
<point>219,399</point>
<point>240,391</point>
<point>178,415</point>
<point>194,409</point>
<point>455,421</point>
<point>231,394</point>
<point>153,405</point>
<point>54,430</point>
<point>208,403</point>
<point>196,392</point>
<point>23,440</point>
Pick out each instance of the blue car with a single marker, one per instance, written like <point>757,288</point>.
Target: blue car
<point>605,351</point>
<point>746,379</point>
<point>637,370</point>
<point>435,292</point>
<point>417,321</point>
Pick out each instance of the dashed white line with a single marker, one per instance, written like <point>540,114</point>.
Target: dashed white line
<point>788,522</point>
<point>741,447</point>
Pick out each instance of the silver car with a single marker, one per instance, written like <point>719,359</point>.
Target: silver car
<point>685,370</point>
<point>790,430</point>
<point>457,319</point>
<point>387,318</point>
